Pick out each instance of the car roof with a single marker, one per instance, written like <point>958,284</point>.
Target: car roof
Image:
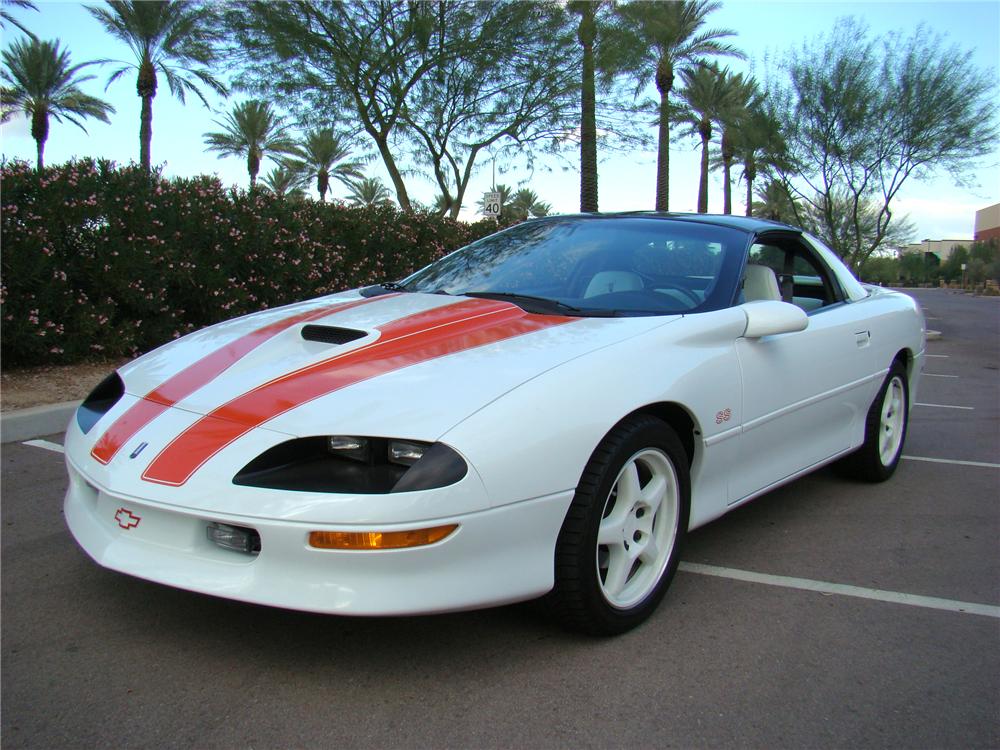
<point>744,223</point>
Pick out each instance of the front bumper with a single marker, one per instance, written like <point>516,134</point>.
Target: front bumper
<point>496,556</point>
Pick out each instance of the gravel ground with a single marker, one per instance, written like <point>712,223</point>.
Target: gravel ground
<point>52,384</point>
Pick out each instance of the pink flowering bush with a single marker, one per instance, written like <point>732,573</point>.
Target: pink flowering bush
<point>100,260</point>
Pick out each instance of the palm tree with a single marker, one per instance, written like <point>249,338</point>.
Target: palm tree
<point>368,192</point>
<point>759,144</point>
<point>171,37</point>
<point>737,93</point>
<point>525,203</point>
<point>776,203</point>
<point>322,154</point>
<point>6,17</point>
<point>285,182</point>
<point>43,83</point>
<point>674,42</point>
<point>705,97</point>
<point>251,130</point>
<point>607,49</point>
<point>587,34</point>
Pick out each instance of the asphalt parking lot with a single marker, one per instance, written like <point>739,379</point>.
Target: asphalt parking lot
<point>906,653</point>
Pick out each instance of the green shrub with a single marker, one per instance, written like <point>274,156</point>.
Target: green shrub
<point>100,260</point>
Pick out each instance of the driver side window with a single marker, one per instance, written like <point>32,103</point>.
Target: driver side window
<point>801,277</point>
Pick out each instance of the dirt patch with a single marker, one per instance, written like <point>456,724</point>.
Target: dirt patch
<point>35,386</point>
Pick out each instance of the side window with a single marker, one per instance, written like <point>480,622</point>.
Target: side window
<point>802,278</point>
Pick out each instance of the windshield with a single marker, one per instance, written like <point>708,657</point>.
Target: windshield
<point>612,265</point>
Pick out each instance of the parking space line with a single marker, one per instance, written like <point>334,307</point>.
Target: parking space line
<point>946,406</point>
<point>841,589</point>
<point>935,375</point>
<point>55,447</point>
<point>938,356</point>
<point>956,462</point>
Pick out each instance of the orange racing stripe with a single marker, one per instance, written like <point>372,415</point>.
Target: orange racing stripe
<point>198,374</point>
<point>405,342</point>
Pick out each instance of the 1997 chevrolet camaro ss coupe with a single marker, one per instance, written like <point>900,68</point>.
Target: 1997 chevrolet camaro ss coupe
<point>547,411</point>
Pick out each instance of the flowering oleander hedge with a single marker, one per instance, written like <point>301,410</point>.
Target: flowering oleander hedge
<point>100,260</point>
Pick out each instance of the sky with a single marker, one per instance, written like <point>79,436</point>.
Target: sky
<point>938,208</point>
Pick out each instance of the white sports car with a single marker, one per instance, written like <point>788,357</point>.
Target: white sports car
<point>547,411</point>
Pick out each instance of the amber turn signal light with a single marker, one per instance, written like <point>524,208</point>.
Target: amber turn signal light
<point>368,540</point>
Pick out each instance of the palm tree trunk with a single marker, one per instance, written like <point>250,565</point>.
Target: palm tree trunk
<point>663,157</point>
<point>253,167</point>
<point>727,188</point>
<point>705,131</point>
<point>322,184</point>
<point>145,132</point>
<point>664,83</point>
<point>588,114</point>
<point>727,183</point>
<point>145,86</point>
<point>40,132</point>
<point>749,173</point>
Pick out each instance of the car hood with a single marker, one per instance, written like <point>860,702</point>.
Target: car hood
<point>406,365</point>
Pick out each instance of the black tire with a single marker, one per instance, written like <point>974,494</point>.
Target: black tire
<point>584,597</point>
<point>874,461</point>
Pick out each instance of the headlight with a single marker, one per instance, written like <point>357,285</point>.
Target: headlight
<point>354,465</point>
<point>100,401</point>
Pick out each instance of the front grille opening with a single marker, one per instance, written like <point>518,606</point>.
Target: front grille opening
<point>99,402</point>
<point>331,334</point>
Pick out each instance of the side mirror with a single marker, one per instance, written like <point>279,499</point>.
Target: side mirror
<point>769,317</point>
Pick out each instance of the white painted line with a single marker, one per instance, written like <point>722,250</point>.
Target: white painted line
<point>841,589</point>
<point>935,375</point>
<point>926,317</point>
<point>938,356</point>
<point>946,406</point>
<point>44,444</point>
<point>956,462</point>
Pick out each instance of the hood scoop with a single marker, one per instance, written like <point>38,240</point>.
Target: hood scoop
<point>331,334</point>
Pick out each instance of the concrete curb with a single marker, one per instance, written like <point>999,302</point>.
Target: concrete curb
<point>27,424</point>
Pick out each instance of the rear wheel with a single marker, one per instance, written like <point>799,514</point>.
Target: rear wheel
<point>620,543</point>
<point>885,430</point>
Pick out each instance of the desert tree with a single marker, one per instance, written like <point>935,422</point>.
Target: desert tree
<point>863,115</point>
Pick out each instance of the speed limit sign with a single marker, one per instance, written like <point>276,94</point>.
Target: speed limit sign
<point>491,204</point>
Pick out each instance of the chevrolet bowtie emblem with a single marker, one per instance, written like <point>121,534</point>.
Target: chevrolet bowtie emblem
<point>127,519</point>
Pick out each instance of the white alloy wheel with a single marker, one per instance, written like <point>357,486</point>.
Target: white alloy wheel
<point>891,424</point>
<point>638,528</point>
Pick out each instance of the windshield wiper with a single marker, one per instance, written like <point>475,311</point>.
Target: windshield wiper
<point>393,286</point>
<point>544,302</point>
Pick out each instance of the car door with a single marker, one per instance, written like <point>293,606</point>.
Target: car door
<point>803,393</point>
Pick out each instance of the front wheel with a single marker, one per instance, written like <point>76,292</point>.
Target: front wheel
<point>885,431</point>
<point>620,543</point>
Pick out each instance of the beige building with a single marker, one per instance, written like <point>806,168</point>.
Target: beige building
<point>941,248</point>
<point>988,223</point>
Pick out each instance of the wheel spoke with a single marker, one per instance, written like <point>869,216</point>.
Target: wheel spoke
<point>629,491</point>
<point>611,531</point>
<point>619,565</point>
<point>653,494</point>
<point>650,551</point>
